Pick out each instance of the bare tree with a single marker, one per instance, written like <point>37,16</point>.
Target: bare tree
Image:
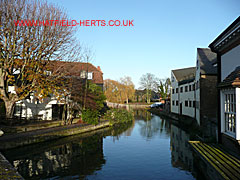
<point>147,82</point>
<point>25,51</point>
<point>129,90</point>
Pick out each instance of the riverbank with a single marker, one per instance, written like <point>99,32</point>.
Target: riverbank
<point>185,120</point>
<point>41,135</point>
<point>7,172</point>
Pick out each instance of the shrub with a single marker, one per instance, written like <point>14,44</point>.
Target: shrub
<point>118,116</point>
<point>90,116</point>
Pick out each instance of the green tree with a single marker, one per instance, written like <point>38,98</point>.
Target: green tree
<point>163,87</point>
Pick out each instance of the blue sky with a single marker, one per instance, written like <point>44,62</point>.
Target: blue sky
<point>165,34</point>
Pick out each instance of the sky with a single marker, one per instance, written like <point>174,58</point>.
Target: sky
<point>165,33</point>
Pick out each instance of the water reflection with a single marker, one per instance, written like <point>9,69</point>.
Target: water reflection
<point>150,147</point>
<point>70,159</point>
<point>150,125</point>
<point>75,156</point>
<point>182,157</point>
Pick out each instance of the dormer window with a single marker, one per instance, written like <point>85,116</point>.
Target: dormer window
<point>90,75</point>
<point>48,73</point>
<point>83,74</point>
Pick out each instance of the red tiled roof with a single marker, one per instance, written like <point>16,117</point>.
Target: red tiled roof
<point>75,69</point>
<point>233,79</point>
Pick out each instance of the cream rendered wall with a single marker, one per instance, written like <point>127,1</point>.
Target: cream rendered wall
<point>187,96</point>
<point>30,108</point>
<point>197,91</point>
<point>174,97</point>
<point>238,114</point>
<point>230,61</point>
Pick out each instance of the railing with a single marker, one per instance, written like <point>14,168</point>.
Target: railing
<point>126,106</point>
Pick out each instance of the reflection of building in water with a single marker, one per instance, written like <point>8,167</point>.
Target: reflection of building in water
<point>79,158</point>
<point>181,154</point>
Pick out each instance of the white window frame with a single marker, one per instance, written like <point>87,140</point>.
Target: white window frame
<point>83,74</point>
<point>90,75</point>
<point>229,112</point>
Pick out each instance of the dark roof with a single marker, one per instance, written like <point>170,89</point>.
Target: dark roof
<point>226,31</point>
<point>75,69</point>
<point>233,79</point>
<point>186,81</point>
<point>207,59</point>
<point>184,74</point>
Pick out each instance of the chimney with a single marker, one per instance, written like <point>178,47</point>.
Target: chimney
<point>99,68</point>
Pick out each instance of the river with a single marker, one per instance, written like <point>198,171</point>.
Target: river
<point>148,148</point>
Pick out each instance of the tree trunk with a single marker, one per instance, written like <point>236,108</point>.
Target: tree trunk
<point>148,96</point>
<point>9,106</point>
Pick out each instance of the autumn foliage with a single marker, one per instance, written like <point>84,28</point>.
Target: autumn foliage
<point>119,91</point>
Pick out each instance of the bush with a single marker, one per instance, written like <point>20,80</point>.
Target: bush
<point>118,116</point>
<point>90,116</point>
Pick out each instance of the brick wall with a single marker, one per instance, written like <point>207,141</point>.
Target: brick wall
<point>208,98</point>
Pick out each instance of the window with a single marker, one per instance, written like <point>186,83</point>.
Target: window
<point>172,91</point>
<point>186,103</point>
<point>176,90</point>
<point>181,89</point>
<point>90,75</point>
<point>186,88</point>
<point>230,111</point>
<point>190,87</point>
<point>193,87</point>
<point>176,103</point>
<point>194,104</point>
<point>18,109</point>
<point>190,103</point>
<point>173,103</point>
<point>83,74</point>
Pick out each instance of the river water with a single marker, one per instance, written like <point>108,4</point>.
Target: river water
<point>148,148</point>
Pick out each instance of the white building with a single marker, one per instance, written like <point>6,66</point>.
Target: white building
<point>182,95</point>
<point>194,89</point>
<point>52,107</point>
<point>227,47</point>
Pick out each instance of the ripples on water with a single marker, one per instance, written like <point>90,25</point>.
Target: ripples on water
<point>148,148</point>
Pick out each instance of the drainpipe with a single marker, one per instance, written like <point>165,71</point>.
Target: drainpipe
<point>195,100</point>
<point>179,99</point>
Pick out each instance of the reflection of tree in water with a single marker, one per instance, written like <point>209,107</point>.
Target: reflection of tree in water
<point>76,156</point>
<point>154,126</point>
<point>142,114</point>
<point>119,129</point>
